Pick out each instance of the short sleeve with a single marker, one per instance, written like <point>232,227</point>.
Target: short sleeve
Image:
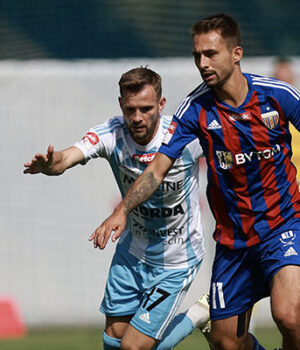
<point>180,133</point>
<point>99,141</point>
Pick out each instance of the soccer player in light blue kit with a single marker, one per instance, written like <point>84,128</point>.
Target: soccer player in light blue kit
<point>161,247</point>
<point>242,122</point>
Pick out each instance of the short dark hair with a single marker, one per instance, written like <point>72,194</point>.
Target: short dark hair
<point>135,79</point>
<point>226,25</point>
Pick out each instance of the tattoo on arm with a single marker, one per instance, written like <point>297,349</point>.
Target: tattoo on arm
<point>141,190</point>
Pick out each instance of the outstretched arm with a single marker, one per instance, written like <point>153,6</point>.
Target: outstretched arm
<point>54,163</point>
<point>143,187</point>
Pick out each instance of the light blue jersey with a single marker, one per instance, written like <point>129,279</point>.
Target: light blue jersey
<point>165,230</point>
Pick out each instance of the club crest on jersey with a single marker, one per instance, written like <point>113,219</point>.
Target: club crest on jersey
<point>144,158</point>
<point>270,119</point>
<point>90,139</point>
<point>225,159</point>
<point>170,132</point>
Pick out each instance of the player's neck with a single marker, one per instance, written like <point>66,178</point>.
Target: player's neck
<point>234,91</point>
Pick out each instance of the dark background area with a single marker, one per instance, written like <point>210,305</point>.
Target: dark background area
<point>92,29</point>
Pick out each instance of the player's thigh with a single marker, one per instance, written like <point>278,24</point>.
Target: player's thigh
<point>236,284</point>
<point>285,294</point>
<point>163,292</point>
<point>123,287</point>
<point>231,333</point>
<point>281,265</point>
<point>116,326</point>
<point>134,339</point>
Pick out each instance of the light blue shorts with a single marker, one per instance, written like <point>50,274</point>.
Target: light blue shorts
<point>151,294</point>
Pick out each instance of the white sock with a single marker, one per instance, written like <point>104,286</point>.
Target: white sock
<point>199,315</point>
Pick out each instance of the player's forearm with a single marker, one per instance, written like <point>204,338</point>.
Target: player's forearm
<point>140,191</point>
<point>65,159</point>
<point>146,184</point>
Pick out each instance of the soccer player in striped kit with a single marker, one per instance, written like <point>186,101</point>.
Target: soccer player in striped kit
<point>162,247</point>
<point>242,121</point>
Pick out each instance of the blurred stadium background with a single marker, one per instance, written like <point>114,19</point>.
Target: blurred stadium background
<point>60,62</point>
<point>73,29</point>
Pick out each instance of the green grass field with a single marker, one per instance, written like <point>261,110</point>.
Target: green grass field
<point>90,338</point>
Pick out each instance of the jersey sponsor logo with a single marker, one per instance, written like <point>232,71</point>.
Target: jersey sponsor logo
<point>291,251</point>
<point>244,116</point>
<point>165,186</point>
<point>158,212</point>
<point>144,158</point>
<point>169,236</point>
<point>158,233</point>
<point>225,159</point>
<point>270,119</point>
<point>287,238</point>
<point>245,157</point>
<point>214,125</point>
<point>145,317</point>
<point>168,186</point>
<point>170,132</point>
<point>90,139</point>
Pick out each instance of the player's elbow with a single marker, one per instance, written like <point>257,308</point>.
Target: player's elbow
<point>160,166</point>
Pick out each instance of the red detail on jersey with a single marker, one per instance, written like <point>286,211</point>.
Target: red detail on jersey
<point>223,233</point>
<point>144,158</point>
<point>267,169</point>
<point>243,116</point>
<point>91,137</point>
<point>290,169</point>
<point>237,175</point>
<point>240,183</point>
<point>172,127</point>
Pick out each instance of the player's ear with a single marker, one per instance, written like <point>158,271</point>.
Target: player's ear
<point>120,102</point>
<point>162,103</point>
<point>237,53</point>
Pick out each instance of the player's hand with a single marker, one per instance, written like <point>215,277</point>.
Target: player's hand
<point>113,226</point>
<point>40,163</point>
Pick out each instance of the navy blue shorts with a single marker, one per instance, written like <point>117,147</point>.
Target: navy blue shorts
<point>241,277</point>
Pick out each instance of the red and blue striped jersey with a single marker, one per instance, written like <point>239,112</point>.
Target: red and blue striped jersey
<point>252,185</point>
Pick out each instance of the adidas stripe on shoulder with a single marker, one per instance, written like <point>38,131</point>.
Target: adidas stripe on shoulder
<point>277,84</point>
<point>183,107</point>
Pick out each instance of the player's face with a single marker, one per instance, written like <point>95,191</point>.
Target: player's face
<point>141,113</point>
<point>215,58</point>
